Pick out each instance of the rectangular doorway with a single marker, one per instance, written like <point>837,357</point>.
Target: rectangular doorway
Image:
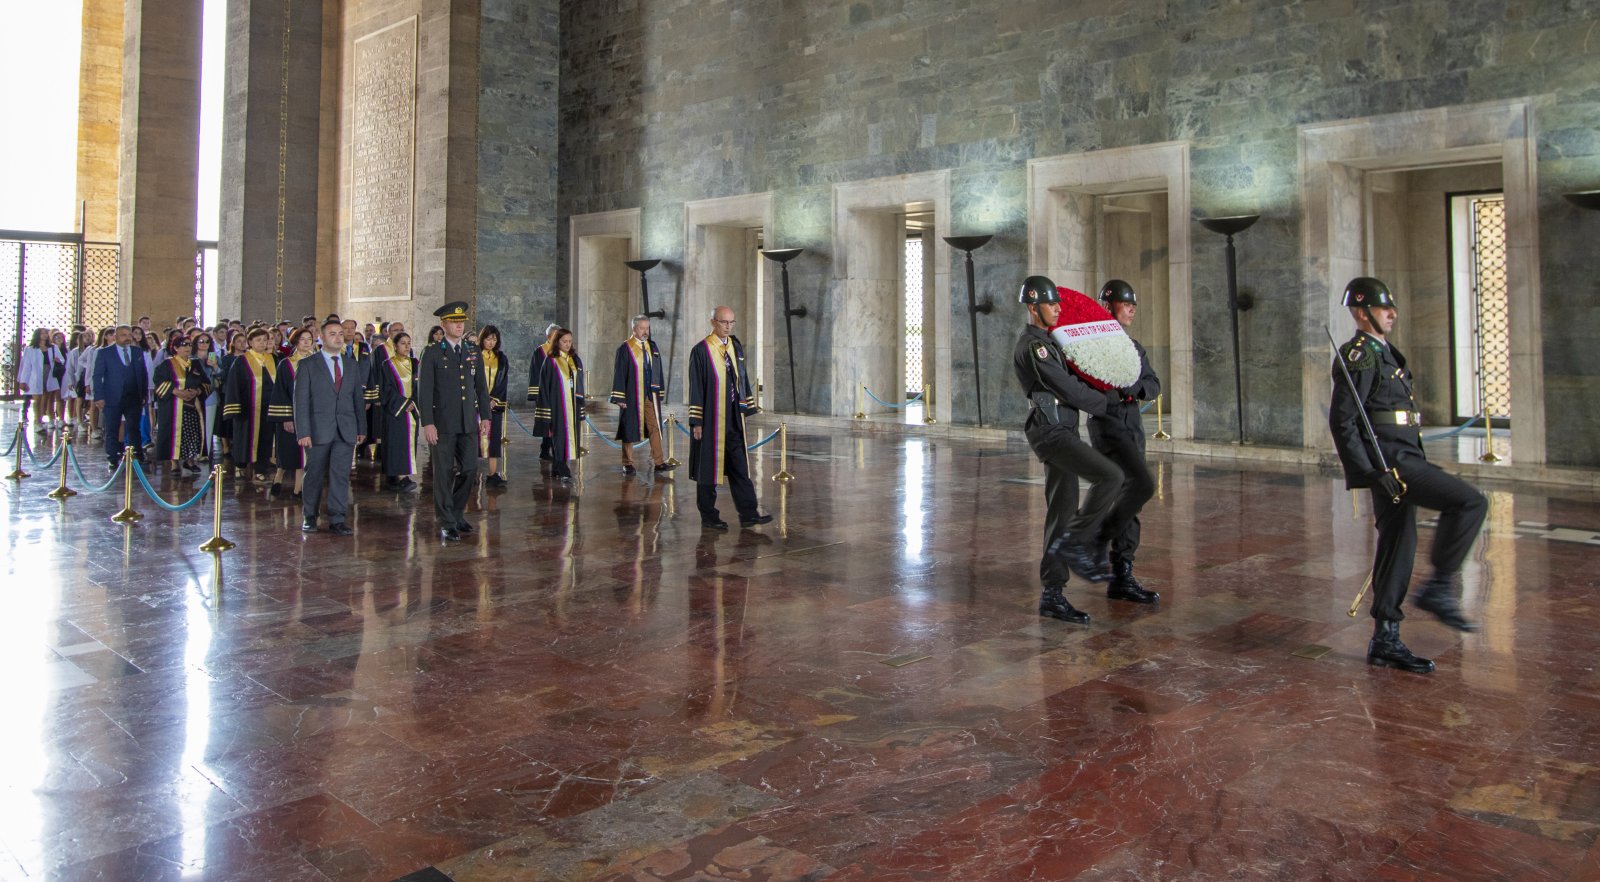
<point>1479,305</point>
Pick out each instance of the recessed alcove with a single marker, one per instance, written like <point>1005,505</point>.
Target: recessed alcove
<point>723,266</point>
<point>604,293</point>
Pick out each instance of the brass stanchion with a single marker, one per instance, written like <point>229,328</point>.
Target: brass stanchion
<point>927,404</point>
<point>17,473</point>
<point>127,515</point>
<point>1161,434</point>
<point>62,491</point>
<point>861,401</point>
<point>672,431</point>
<point>1488,435</point>
<point>783,476</point>
<point>216,542</point>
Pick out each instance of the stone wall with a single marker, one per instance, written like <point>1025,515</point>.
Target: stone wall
<point>664,101</point>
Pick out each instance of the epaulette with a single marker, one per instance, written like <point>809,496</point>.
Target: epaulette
<point>1361,353</point>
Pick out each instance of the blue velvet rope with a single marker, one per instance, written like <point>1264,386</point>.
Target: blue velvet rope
<point>616,445</point>
<point>88,487</point>
<point>915,399</point>
<point>1437,436</point>
<point>690,435</point>
<point>138,471</point>
<point>21,430</point>
<point>47,463</point>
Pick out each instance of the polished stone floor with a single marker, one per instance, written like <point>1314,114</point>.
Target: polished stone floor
<point>593,689</point>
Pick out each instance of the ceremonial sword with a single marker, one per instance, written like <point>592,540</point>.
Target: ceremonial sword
<point>1383,462</point>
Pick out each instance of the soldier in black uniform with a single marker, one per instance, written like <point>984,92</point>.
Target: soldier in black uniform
<point>1055,396</point>
<point>453,407</point>
<point>1120,436</point>
<point>1382,387</point>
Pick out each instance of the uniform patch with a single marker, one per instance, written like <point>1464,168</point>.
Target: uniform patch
<point>1042,352</point>
<point>1357,354</point>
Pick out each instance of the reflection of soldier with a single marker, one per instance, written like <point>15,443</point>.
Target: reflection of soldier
<point>1386,456</point>
<point>453,407</point>
<point>1055,396</point>
<point>1120,436</point>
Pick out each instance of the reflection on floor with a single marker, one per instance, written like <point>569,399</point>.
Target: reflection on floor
<point>592,688</point>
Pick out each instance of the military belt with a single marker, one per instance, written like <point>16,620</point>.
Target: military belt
<point>1397,417</point>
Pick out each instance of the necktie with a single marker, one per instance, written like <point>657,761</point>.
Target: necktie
<point>338,375</point>
<point>124,351</point>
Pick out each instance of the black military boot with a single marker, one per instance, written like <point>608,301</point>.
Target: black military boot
<point>1078,559</point>
<point>1125,587</point>
<point>1386,650</point>
<point>1053,604</point>
<point>1441,596</point>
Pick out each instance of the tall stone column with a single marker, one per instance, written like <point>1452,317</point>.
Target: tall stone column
<point>160,157</point>
<point>271,127</point>
<point>100,115</point>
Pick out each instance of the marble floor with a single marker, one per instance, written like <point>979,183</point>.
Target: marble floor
<point>592,688</point>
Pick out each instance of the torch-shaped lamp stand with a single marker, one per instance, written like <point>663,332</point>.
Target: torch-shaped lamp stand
<point>644,266</point>
<point>783,256</point>
<point>1229,226</point>
<point>970,244</point>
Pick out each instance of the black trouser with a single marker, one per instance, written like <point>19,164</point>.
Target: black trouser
<point>329,462</point>
<point>455,467</point>
<point>1121,527</point>
<point>1066,459</point>
<point>1461,511</point>
<point>736,464</point>
<point>116,418</point>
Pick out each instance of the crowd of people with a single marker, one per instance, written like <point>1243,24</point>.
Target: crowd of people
<point>235,395</point>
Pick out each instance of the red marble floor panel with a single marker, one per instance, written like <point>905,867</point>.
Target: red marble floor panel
<point>591,687</point>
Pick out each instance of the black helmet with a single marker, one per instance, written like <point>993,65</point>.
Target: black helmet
<point>1118,291</point>
<point>1366,291</point>
<point>1038,289</point>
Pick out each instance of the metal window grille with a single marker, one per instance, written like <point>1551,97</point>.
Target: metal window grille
<point>1491,324</point>
<point>913,297</point>
<point>51,280</point>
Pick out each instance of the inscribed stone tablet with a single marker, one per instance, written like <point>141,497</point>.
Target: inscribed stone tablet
<point>383,162</point>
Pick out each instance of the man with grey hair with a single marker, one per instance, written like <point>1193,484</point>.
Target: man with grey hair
<point>719,400</point>
<point>636,389</point>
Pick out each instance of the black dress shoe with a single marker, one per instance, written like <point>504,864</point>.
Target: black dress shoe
<point>1053,604</point>
<point>1441,597</point>
<point>464,528</point>
<point>275,490</point>
<point>629,469</point>
<point>449,534</point>
<point>494,481</point>
<point>666,467</point>
<point>1386,650</point>
<point>408,486</point>
<point>341,529</point>
<point>756,521</point>
<point>715,525</point>
<point>310,526</point>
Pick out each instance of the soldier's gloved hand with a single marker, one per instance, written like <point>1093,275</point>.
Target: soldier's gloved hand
<point>1388,483</point>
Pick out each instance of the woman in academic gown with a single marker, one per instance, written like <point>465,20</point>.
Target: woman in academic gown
<point>559,412</point>
<point>287,452</point>
<point>179,388</point>
<point>496,374</point>
<point>397,414</point>
<point>246,402</point>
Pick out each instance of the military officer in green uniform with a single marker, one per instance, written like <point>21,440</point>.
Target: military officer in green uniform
<point>1374,378</point>
<point>453,406</point>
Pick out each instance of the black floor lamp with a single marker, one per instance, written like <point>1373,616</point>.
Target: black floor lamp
<point>970,244</point>
<point>783,256</point>
<point>644,266</point>
<point>1230,226</point>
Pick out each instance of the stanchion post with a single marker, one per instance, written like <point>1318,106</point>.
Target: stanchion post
<point>672,431</point>
<point>783,476</point>
<point>927,404</point>
<point>216,543</point>
<point>17,473</point>
<point>861,401</point>
<point>62,491</point>
<point>1161,434</point>
<point>127,515</point>
<point>1488,435</point>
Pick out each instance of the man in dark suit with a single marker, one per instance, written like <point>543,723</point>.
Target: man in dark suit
<point>119,391</point>
<point>329,421</point>
<point>453,405</point>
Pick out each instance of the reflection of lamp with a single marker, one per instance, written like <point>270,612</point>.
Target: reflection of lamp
<point>783,256</point>
<point>1229,226</point>
<point>644,266</point>
<point>970,244</point>
<point>1589,199</point>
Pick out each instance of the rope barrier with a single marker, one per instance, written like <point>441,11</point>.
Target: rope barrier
<point>615,445</point>
<point>765,440</point>
<point>13,447</point>
<point>31,455</point>
<point>518,420</point>
<point>72,455</point>
<point>1438,436</point>
<point>915,399</point>
<point>138,471</point>
<point>1146,406</point>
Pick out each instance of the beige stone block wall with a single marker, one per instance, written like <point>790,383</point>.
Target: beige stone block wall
<point>100,115</point>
